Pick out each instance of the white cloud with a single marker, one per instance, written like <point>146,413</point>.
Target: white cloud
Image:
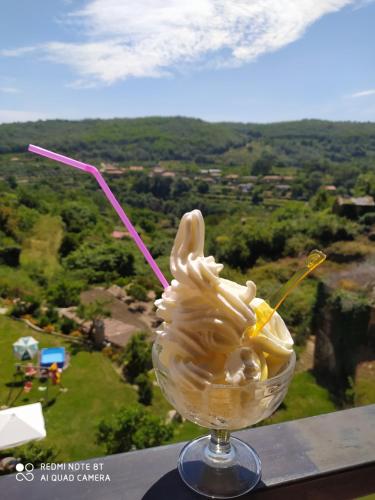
<point>364,93</point>
<point>152,38</point>
<point>9,90</point>
<point>11,115</point>
<point>20,51</point>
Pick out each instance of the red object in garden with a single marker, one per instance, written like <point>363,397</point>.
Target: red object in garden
<point>28,386</point>
<point>30,371</point>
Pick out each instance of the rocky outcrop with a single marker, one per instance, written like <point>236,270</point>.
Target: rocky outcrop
<point>344,324</point>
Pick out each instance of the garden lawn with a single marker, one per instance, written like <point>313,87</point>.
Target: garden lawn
<point>305,398</point>
<point>95,391</point>
<point>40,248</point>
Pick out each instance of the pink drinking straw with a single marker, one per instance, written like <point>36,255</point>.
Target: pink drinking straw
<point>112,199</point>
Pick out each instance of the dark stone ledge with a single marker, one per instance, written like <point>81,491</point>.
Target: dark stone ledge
<point>324,457</point>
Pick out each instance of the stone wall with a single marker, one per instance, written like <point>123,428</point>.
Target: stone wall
<point>344,324</point>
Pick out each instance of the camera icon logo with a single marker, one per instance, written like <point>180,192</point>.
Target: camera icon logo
<point>24,472</point>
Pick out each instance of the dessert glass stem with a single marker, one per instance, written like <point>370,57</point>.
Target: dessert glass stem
<point>219,449</point>
<point>219,466</point>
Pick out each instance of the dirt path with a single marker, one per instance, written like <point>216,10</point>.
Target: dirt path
<point>306,358</point>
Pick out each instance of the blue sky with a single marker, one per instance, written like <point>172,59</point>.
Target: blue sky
<point>238,60</point>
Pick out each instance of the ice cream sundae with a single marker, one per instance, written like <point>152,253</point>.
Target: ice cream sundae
<point>207,341</point>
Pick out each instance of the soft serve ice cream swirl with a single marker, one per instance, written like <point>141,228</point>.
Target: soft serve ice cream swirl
<point>203,337</point>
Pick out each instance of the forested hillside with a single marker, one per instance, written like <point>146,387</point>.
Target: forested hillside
<point>154,139</point>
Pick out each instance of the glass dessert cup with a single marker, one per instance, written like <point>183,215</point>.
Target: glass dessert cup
<point>218,465</point>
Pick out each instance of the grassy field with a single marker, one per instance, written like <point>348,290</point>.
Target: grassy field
<point>41,246</point>
<point>95,391</point>
<point>305,398</point>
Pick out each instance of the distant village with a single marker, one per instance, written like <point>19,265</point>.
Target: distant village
<point>274,186</point>
<point>278,185</point>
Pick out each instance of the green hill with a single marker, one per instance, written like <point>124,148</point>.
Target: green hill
<point>178,138</point>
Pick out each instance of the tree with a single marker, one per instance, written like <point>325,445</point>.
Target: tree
<point>132,428</point>
<point>67,325</point>
<point>180,187</point>
<point>257,195</point>
<point>314,181</point>
<point>236,253</point>
<point>203,187</point>
<point>103,262</point>
<point>78,216</point>
<point>144,389</point>
<point>22,307</point>
<point>322,200</point>
<point>94,311</point>
<point>142,184</point>
<point>11,181</point>
<point>35,454</point>
<point>161,186</point>
<point>10,255</point>
<point>299,190</point>
<point>263,165</point>
<point>137,356</point>
<point>64,291</point>
<point>137,291</point>
<point>28,197</point>
<point>365,184</point>
<point>8,220</point>
<point>69,243</point>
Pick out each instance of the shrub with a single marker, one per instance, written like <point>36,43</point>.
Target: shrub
<point>133,428</point>
<point>16,283</point>
<point>298,245</point>
<point>36,454</point>
<point>328,228</point>
<point>114,354</point>
<point>23,307</point>
<point>137,356</point>
<point>368,219</point>
<point>144,389</point>
<point>203,187</point>
<point>160,247</point>
<point>43,321</point>
<point>346,251</point>
<point>67,325</point>
<point>78,217</point>
<point>64,291</point>
<point>69,243</point>
<point>103,262</point>
<point>137,291</point>
<point>10,255</point>
<point>52,314</point>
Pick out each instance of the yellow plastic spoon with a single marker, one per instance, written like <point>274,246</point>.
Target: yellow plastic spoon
<point>264,311</point>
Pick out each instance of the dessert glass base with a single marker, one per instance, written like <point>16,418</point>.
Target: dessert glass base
<point>219,466</point>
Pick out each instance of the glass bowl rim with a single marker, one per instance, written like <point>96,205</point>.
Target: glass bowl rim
<point>285,374</point>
